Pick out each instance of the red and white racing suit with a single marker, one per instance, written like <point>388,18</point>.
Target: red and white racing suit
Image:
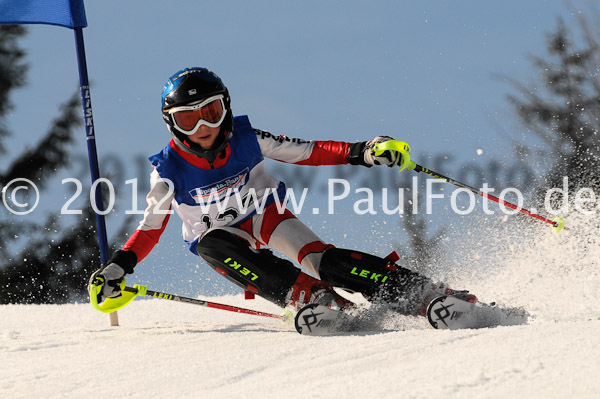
<point>281,231</point>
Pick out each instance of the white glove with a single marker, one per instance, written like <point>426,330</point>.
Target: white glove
<point>388,158</point>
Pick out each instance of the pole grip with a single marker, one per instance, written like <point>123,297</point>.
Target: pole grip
<point>399,146</point>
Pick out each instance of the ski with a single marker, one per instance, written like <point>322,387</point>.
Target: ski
<point>452,313</point>
<point>444,312</point>
<point>314,319</point>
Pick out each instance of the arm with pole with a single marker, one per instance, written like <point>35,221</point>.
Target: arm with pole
<point>558,223</point>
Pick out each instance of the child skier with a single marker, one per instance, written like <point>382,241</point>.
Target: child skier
<point>214,156</point>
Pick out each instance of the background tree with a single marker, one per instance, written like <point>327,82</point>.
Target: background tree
<point>12,71</point>
<point>47,261</point>
<point>563,107</point>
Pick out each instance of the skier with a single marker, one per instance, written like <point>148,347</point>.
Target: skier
<point>214,156</point>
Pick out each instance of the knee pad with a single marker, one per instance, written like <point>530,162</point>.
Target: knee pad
<point>374,277</point>
<point>258,271</point>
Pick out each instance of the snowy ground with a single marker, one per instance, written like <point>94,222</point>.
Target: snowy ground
<point>177,350</point>
<point>180,351</point>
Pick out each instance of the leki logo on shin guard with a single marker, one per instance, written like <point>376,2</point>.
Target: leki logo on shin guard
<point>368,274</point>
<point>238,266</point>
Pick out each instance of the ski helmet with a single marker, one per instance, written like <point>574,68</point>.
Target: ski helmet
<point>188,87</point>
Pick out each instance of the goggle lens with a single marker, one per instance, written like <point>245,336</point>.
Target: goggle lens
<point>188,119</point>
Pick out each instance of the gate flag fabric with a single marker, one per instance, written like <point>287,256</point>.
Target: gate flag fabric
<point>66,13</point>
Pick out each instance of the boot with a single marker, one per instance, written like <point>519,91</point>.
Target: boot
<point>307,289</point>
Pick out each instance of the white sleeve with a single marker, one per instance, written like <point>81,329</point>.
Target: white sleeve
<point>156,217</point>
<point>282,148</point>
<point>158,202</point>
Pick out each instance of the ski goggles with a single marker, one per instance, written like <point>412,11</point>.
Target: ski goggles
<point>210,112</point>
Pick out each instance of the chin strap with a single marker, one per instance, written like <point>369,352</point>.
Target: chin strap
<point>210,155</point>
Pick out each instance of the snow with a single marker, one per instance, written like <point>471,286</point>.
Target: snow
<point>182,351</point>
<point>177,350</point>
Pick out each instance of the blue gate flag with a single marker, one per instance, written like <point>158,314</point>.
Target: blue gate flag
<point>67,13</point>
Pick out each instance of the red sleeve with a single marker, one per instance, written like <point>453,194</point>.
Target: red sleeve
<point>142,241</point>
<point>328,153</point>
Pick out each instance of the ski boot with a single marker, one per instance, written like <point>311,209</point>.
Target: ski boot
<point>307,290</point>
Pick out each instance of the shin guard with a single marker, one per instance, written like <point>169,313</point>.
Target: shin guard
<point>376,278</point>
<point>257,271</point>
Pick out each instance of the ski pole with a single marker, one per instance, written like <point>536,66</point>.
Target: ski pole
<point>193,301</point>
<point>129,293</point>
<point>557,223</point>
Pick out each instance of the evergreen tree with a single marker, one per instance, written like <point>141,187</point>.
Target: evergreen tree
<point>563,108</point>
<point>42,262</point>
<point>12,71</point>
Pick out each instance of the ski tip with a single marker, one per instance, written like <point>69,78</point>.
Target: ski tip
<point>315,319</point>
<point>305,318</point>
<point>452,313</point>
<point>448,312</point>
<point>436,302</point>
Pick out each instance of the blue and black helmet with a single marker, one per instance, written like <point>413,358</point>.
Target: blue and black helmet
<point>190,86</point>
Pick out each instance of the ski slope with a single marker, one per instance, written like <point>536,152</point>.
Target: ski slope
<point>176,350</point>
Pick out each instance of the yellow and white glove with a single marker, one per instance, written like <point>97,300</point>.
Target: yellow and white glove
<point>364,154</point>
<point>110,277</point>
